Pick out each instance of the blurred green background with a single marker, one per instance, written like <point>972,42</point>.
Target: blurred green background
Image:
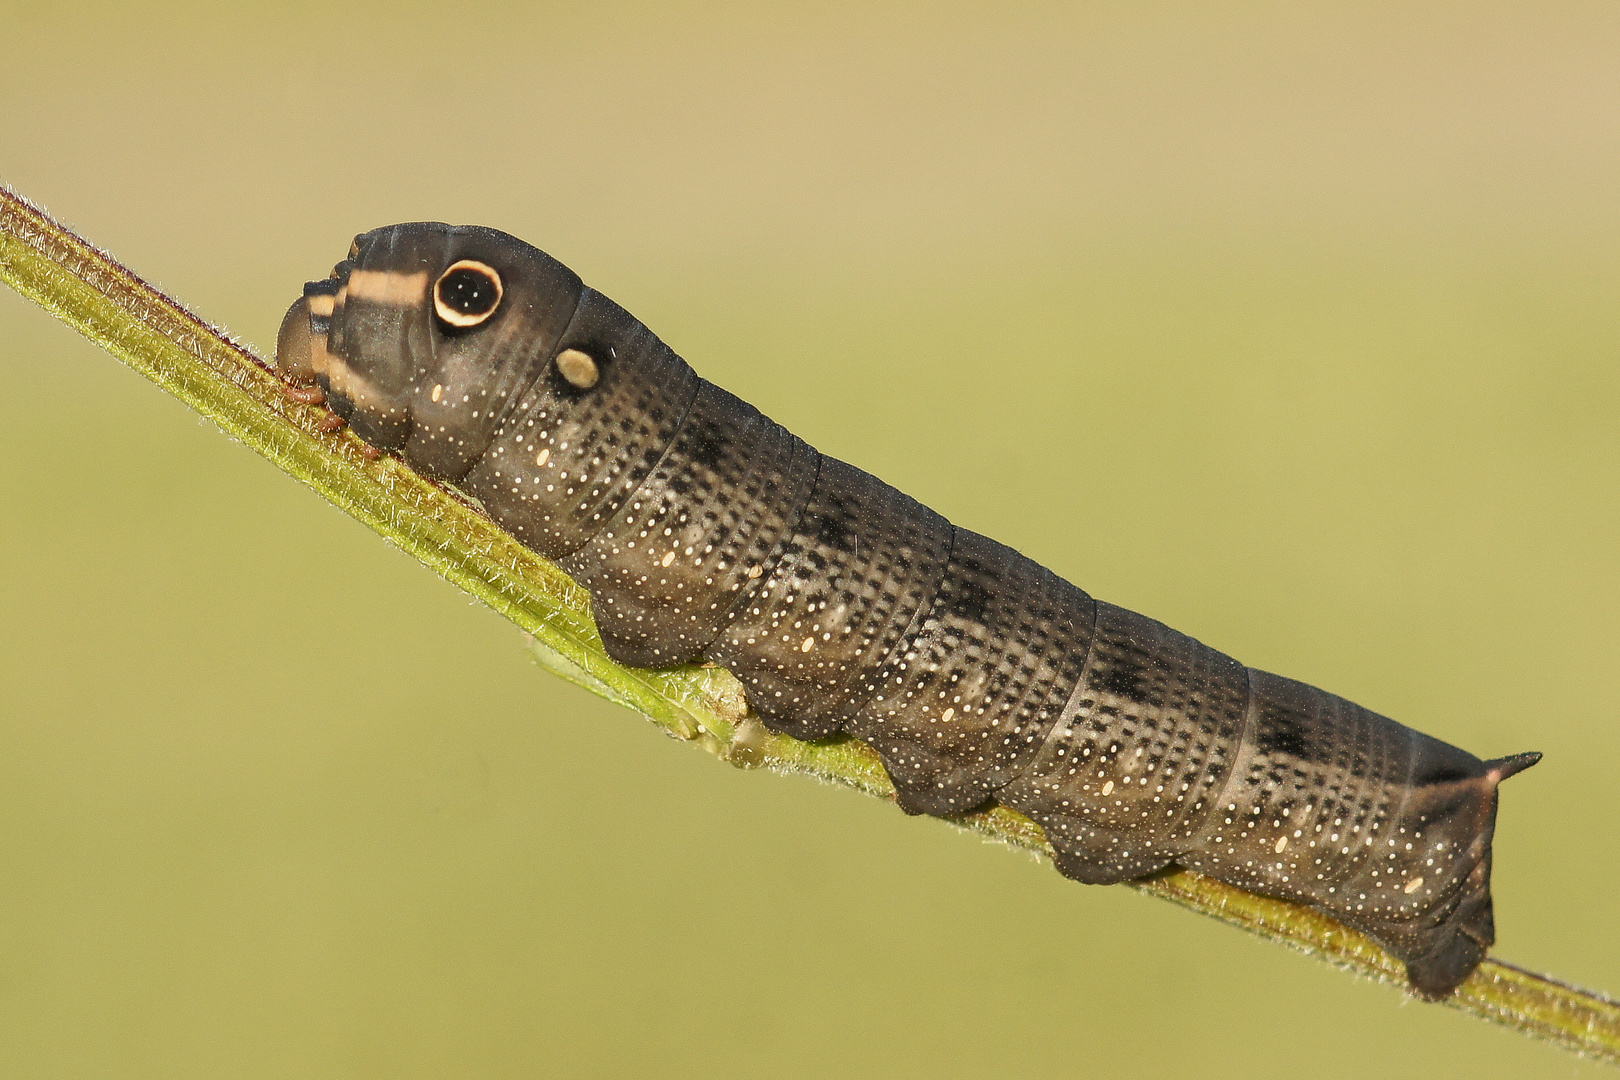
<point>1291,325</point>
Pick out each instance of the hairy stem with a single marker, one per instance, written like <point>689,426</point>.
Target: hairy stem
<point>225,381</point>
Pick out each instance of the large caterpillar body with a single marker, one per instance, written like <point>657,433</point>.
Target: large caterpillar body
<point>704,531</point>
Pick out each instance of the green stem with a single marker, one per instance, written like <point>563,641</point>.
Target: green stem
<point>226,382</point>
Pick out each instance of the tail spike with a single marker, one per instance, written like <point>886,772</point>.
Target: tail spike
<point>1501,768</point>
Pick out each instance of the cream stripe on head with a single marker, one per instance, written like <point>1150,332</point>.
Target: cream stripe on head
<point>388,287</point>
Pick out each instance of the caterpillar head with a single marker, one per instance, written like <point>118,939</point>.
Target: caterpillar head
<point>484,362</point>
<point>427,335</point>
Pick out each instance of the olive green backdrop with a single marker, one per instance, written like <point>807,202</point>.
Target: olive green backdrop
<point>1291,326</point>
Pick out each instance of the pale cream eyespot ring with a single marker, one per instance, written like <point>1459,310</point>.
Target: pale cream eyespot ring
<point>467,293</point>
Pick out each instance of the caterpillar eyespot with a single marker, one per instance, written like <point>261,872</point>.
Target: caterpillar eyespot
<point>578,368</point>
<point>467,293</point>
<point>842,605</point>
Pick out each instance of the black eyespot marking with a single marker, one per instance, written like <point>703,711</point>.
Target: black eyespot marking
<point>706,532</point>
<point>467,293</point>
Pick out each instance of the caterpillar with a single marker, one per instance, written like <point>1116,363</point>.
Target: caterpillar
<point>704,531</point>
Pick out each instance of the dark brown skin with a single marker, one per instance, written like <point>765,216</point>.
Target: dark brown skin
<point>706,532</point>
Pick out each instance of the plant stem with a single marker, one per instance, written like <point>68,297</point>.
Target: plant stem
<point>225,381</point>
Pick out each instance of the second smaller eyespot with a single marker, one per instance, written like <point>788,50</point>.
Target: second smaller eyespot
<point>467,293</point>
